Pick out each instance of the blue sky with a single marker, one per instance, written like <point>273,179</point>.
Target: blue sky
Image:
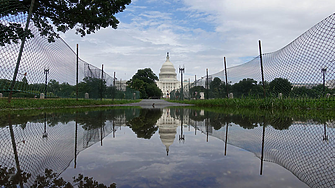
<point>197,33</point>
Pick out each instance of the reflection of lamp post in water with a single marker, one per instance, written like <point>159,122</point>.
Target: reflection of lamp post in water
<point>46,72</point>
<point>45,134</point>
<point>181,136</point>
<point>324,70</point>
<point>325,136</point>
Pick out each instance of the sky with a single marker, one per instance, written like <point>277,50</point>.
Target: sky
<point>196,33</point>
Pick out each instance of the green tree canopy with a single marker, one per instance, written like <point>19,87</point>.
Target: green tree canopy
<point>280,85</point>
<point>144,81</point>
<point>86,16</point>
<point>244,87</point>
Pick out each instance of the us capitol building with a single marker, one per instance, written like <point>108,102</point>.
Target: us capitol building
<point>167,78</point>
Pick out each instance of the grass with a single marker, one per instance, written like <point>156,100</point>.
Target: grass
<point>268,103</point>
<point>21,103</point>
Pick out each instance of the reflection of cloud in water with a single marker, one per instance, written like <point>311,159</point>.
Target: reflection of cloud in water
<point>133,162</point>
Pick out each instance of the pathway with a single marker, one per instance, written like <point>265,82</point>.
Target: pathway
<point>154,103</point>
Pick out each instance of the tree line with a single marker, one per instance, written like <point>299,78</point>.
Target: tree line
<point>249,87</point>
<point>95,87</point>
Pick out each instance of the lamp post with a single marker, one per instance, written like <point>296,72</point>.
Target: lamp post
<point>324,70</point>
<point>46,72</point>
<point>181,71</point>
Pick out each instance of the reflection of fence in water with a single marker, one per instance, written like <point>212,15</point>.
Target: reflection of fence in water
<point>54,151</point>
<point>306,148</point>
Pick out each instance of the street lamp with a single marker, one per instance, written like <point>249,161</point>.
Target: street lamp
<point>46,72</point>
<point>181,71</point>
<point>324,70</point>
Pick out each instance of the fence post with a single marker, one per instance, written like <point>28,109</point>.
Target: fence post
<point>102,80</point>
<point>114,87</point>
<point>21,50</point>
<point>77,74</point>
<point>225,70</point>
<point>207,84</point>
<point>189,89</point>
<point>261,60</point>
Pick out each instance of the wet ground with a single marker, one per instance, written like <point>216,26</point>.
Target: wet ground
<point>154,103</point>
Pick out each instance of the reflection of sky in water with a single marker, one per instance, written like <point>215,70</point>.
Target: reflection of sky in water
<point>132,162</point>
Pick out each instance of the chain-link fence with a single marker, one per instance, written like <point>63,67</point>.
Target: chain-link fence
<point>48,68</point>
<point>305,68</point>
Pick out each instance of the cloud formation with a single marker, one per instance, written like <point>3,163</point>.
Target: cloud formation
<point>198,34</point>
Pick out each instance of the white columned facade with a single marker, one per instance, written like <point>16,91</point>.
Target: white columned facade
<point>167,78</point>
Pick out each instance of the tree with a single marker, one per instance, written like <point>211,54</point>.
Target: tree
<point>54,87</point>
<point>146,75</point>
<point>94,87</point>
<point>86,16</point>
<point>217,89</point>
<point>244,87</point>
<point>195,91</point>
<point>144,81</point>
<point>280,85</point>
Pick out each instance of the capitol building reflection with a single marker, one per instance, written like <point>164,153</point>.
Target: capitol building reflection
<point>53,141</point>
<point>167,129</point>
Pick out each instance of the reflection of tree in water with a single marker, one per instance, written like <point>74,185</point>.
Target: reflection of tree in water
<point>88,118</point>
<point>281,123</point>
<point>11,179</point>
<point>219,120</point>
<point>54,151</point>
<point>145,125</point>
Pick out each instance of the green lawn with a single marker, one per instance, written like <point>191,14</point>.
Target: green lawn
<point>21,103</point>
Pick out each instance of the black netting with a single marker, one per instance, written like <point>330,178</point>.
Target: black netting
<point>305,63</point>
<point>54,63</point>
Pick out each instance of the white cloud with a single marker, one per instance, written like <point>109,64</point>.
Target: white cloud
<point>197,33</point>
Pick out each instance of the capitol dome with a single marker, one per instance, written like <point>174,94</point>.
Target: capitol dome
<point>167,72</point>
<point>167,78</point>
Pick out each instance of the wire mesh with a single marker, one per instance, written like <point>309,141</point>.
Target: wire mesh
<point>304,147</point>
<point>303,68</point>
<point>53,141</point>
<point>48,68</point>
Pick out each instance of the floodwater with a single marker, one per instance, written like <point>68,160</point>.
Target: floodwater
<point>171,147</point>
